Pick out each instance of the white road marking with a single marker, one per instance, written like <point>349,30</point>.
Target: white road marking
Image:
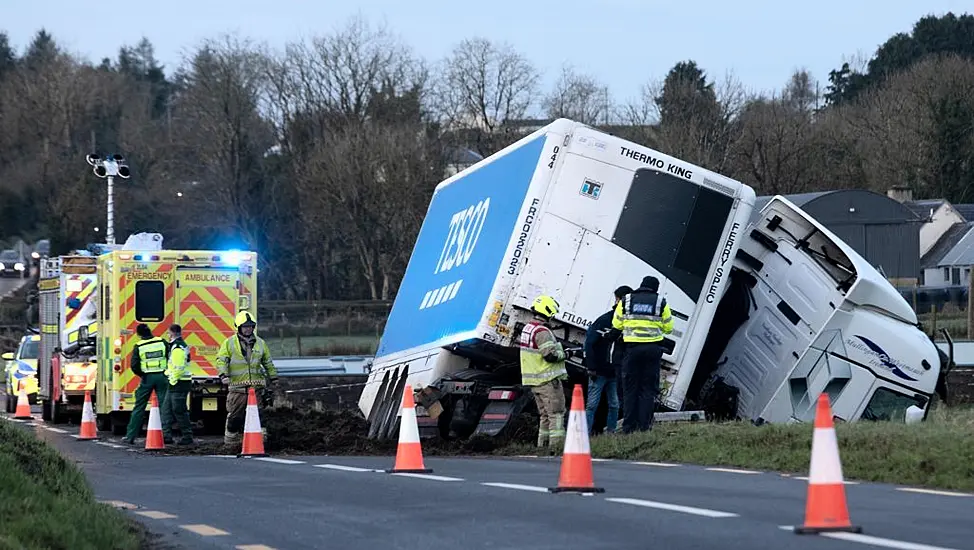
<point>204,530</point>
<point>933,492</point>
<point>732,471</point>
<point>155,514</point>
<point>106,444</point>
<point>660,464</point>
<point>345,468</point>
<point>602,460</point>
<point>526,456</point>
<point>56,430</point>
<point>278,460</point>
<point>875,541</point>
<point>516,486</point>
<point>430,476</point>
<point>220,456</point>
<point>674,507</point>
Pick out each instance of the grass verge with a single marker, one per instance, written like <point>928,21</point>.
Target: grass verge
<point>938,453</point>
<point>46,501</point>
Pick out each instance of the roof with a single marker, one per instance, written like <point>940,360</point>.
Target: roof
<point>944,245</point>
<point>961,253</point>
<point>965,210</point>
<point>923,208</point>
<point>845,206</point>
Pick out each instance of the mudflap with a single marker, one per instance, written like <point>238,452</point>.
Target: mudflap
<point>504,404</point>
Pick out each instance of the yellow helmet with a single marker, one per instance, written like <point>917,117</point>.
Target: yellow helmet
<point>243,318</point>
<point>545,305</point>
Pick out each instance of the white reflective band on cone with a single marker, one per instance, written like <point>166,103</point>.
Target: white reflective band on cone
<point>576,440</point>
<point>252,421</point>
<point>825,467</point>
<point>408,427</point>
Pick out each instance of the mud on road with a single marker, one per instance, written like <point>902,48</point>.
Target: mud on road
<point>344,432</point>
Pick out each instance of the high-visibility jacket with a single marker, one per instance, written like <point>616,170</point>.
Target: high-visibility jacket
<point>542,357</point>
<point>643,316</point>
<point>151,355</point>
<point>178,367</point>
<point>244,371</point>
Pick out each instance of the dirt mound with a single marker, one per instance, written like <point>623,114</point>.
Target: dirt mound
<point>344,432</point>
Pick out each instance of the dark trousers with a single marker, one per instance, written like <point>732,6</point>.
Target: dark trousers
<point>152,381</point>
<point>174,410</point>
<point>640,372</point>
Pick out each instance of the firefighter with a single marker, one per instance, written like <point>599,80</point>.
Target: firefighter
<point>244,361</point>
<point>148,362</point>
<point>180,382</point>
<point>543,370</point>
<point>643,317</point>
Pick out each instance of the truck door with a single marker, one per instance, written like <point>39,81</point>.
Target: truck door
<point>207,299</point>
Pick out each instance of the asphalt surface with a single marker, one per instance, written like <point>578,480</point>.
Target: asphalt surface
<point>470,503</point>
<point>9,284</point>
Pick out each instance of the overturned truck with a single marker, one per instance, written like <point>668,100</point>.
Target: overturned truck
<point>770,308</point>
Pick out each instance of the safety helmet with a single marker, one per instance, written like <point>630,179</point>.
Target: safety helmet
<point>545,305</point>
<point>244,318</point>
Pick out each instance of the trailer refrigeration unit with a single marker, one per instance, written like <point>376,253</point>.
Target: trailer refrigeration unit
<point>769,307</point>
<point>67,313</point>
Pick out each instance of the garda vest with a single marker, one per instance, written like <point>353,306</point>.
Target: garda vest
<point>241,372</point>
<point>645,317</point>
<point>535,371</point>
<point>178,367</point>
<point>152,355</point>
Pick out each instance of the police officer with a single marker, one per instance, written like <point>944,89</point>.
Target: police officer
<point>643,317</point>
<point>243,361</point>
<point>543,369</point>
<point>180,383</point>
<point>148,361</point>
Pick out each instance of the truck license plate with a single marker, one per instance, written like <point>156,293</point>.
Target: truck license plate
<point>210,404</point>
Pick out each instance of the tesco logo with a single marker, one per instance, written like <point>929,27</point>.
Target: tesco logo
<point>461,240</point>
<point>465,228</point>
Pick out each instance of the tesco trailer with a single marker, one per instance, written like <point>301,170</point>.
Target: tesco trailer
<point>770,308</point>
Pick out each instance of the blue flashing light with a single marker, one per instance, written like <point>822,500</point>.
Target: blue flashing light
<point>232,258</point>
<point>137,257</point>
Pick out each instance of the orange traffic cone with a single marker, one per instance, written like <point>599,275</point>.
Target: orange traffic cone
<point>576,463</point>
<point>23,405</point>
<point>88,429</point>
<point>826,508</point>
<point>153,435</point>
<point>253,437</point>
<point>409,456</point>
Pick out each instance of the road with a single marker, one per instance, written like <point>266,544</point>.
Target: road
<point>471,503</point>
<point>9,284</point>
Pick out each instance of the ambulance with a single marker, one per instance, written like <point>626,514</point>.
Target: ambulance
<point>200,290</point>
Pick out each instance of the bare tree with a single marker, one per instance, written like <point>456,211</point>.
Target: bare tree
<point>579,97</point>
<point>484,87</point>
<point>701,131</point>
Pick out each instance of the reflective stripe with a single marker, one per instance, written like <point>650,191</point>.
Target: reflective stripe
<point>535,371</point>
<point>152,355</point>
<point>647,325</point>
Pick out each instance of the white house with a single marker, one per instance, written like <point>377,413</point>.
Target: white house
<point>946,241</point>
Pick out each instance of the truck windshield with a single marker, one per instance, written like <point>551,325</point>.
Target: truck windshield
<point>28,350</point>
<point>673,225</point>
<point>887,404</point>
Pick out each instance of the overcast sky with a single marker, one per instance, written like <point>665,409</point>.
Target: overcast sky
<point>624,43</point>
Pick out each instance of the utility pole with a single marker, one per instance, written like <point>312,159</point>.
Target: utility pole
<point>108,168</point>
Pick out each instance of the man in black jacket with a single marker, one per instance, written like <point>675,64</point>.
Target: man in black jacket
<point>603,359</point>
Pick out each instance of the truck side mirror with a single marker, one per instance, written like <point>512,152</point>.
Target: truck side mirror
<point>82,334</point>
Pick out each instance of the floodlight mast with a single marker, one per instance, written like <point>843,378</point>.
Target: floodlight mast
<point>107,168</point>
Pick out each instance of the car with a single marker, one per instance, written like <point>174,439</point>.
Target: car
<point>12,264</point>
<point>21,369</point>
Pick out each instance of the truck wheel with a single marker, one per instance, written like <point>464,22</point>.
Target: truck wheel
<point>103,422</point>
<point>58,416</point>
<point>120,423</point>
<point>46,410</point>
